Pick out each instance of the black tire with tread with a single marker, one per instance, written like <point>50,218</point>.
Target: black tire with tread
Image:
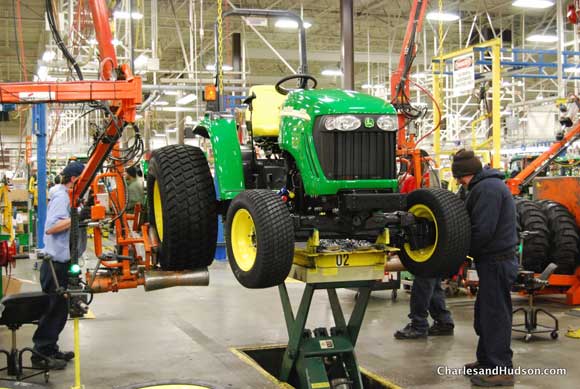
<point>531,217</point>
<point>454,229</point>
<point>564,237</point>
<point>188,201</point>
<point>274,235</point>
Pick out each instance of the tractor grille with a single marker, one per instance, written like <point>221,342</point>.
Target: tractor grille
<point>362,154</point>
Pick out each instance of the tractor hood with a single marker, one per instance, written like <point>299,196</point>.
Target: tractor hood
<point>336,101</point>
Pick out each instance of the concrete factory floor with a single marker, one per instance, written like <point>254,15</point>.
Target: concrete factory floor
<point>186,333</point>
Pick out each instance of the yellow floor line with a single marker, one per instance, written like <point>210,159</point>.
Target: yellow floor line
<point>260,369</point>
<point>88,316</point>
<point>291,280</point>
<point>379,379</point>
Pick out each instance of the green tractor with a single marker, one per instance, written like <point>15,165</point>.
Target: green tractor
<point>320,160</point>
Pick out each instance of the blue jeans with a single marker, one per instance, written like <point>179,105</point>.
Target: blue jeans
<point>52,323</point>
<point>493,311</point>
<point>427,297</point>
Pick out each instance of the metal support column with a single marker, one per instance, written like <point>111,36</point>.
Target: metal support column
<point>437,115</point>
<point>560,48</point>
<point>496,106</point>
<point>347,43</point>
<point>39,113</point>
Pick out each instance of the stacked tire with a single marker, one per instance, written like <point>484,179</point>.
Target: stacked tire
<point>564,237</point>
<point>531,218</point>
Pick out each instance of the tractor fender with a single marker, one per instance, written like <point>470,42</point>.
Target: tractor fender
<point>227,155</point>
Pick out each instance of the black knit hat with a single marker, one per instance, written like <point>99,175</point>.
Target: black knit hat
<point>465,163</point>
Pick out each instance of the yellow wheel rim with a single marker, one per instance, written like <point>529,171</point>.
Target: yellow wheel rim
<point>158,211</point>
<point>423,255</point>
<point>243,237</point>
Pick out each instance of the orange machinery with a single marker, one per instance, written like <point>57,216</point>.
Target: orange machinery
<point>122,90</point>
<point>400,88</point>
<point>552,188</point>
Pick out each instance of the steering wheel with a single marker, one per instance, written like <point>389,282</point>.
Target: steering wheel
<point>302,84</point>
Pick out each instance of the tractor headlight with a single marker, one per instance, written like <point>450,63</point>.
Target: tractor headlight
<point>329,123</point>
<point>342,123</point>
<point>386,123</point>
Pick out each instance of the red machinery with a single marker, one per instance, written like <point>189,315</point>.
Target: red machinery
<point>551,189</point>
<point>122,90</point>
<point>400,89</point>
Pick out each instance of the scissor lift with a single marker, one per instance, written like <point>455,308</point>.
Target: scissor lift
<point>325,358</point>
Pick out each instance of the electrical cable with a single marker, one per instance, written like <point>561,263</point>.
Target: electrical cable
<point>59,42</point>
<point>18,38</point>
<point>436,106</point>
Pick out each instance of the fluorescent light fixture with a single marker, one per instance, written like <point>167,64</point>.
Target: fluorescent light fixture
<point>572,70</point>
<point>141,61</point>
<point>419,75</point>
<point>541,38</point>
<point>366,86</point>
<point>442,16</point>
<point>125,15</point>
<point>187,99</point>
<point>160,103</point>
<point>331,72</point>
<point>290,24</point>
<point>116,42</point>
<point>92,41</point>
<point>42,73</point>
<point>171,130</point>
<point>138,117</point>
<point>538,4</point>
<point>48,56</point>
<point>225,68</point>
<point>171,92</point>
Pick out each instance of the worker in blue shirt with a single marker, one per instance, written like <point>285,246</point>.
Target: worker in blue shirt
<point>56,238</point>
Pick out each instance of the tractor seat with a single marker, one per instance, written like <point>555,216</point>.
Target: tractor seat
<point>263,117</point>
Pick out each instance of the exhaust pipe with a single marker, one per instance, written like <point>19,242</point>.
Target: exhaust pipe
<point>394,264</point>
<point>155,279</point>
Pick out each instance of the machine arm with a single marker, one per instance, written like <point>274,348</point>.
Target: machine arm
<point>399,79</point>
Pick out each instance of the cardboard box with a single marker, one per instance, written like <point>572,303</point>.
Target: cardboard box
<point>14,285</point>
<point>20,195</point>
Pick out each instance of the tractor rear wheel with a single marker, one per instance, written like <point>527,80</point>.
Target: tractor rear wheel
<point>531,217</point>
<point>452,237</point>
<point>563,237</point>
<point>260,238</point>
<point>182,204</point>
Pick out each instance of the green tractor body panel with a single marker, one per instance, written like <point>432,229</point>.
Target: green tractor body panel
<point>227,155</point>
<point>298,117</point>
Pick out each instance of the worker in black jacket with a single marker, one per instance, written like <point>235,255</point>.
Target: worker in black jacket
<point>493,246</point>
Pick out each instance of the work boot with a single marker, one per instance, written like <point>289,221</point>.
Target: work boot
<point>441,329</point>
<point>410,332</point>
<point>47,363</point>
<point>63,355</point>
<point>493,380</point>
<point>470,367</point>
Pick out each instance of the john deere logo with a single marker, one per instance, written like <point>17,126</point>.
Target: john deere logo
<point>369,123</point>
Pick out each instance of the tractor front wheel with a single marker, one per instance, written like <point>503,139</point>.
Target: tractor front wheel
<point>260,239</point>
<point>450,242</point>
